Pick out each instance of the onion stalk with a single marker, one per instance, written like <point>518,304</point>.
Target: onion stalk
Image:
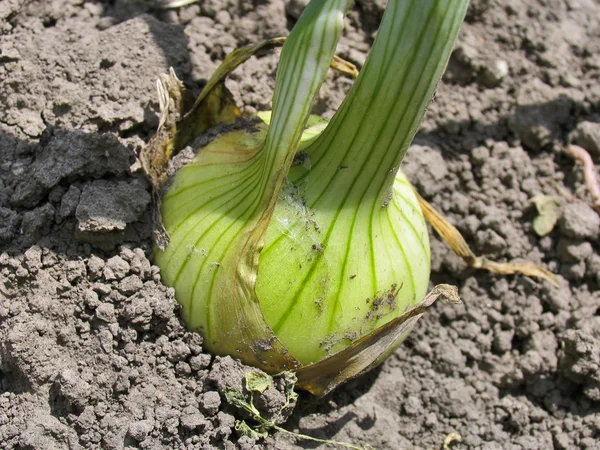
<point>296,244</point>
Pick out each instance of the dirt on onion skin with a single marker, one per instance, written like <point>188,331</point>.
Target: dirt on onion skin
<point>93,353</point>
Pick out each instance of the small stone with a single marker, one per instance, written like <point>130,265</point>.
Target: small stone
<point>579,221</point>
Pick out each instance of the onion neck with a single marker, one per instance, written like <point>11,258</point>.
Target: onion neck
<point>360,151</point>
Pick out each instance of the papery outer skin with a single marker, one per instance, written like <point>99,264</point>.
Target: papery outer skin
<point>350,230</point>
<point>218,208</point>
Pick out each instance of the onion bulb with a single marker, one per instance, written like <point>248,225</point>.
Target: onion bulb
<point>297,244</point>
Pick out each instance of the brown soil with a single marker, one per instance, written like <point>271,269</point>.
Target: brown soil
<point>93,353</point>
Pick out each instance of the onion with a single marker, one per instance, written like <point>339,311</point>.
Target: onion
<point>299,245</point>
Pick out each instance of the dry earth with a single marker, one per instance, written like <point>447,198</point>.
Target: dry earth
<point>92,350</point>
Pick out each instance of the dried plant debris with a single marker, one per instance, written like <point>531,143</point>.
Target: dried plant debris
<point>257,383</point>
<point>457,243</point>
<point>583,157</point>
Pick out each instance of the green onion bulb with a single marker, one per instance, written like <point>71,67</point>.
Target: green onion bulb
<point>293,240</point>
